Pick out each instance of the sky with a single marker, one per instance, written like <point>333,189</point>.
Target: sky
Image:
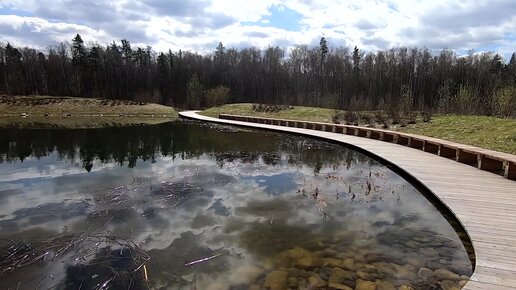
<point>199,25</point>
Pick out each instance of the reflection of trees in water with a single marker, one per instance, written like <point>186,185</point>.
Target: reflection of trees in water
<point>126,145</point>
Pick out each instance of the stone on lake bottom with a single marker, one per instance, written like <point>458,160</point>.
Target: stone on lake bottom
<point>404,272</point>
<point>365,285</point>
<point>332,262</point>
<point>443,274</point>
<point>339,286</point>
<point>425,273</point>
<point>450,285</point>
<point>276,280</point>
<point>386,285</point>
<point>348,264</point>
<point>316,281</point>
<point>339,276</point>
<point>292,282</point>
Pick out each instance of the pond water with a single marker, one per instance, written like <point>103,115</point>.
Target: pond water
<point>185,205</point>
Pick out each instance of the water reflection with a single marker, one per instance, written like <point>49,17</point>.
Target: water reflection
<point>212,208</point>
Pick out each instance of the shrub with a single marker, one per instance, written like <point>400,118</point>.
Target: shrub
<point>217,96</point>
<point>194,92</point>
<point>426,116</point>
<point>394,114</point>
<point>367,118</point>
<point>505,102</point>
<point>351,118</point>
<point>270,108</point>
<point>380,117</point>
<point>466,102</point>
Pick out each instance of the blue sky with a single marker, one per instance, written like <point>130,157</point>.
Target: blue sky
<point>279,17</point>
<point>198,25</point>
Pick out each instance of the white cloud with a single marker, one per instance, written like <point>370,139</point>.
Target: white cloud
<point>200,24</point>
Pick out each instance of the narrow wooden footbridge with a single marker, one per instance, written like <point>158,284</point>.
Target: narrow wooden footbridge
<point>477,185</point>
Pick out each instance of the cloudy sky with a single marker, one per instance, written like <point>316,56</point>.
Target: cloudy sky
<point>199,25</point>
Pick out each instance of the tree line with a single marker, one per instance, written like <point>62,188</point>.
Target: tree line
<point>342,77</point>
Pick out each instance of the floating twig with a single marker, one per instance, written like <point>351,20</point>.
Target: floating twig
<point>202,260</point>
<point>145,273</point>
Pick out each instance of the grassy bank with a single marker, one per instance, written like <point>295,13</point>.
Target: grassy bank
<point>78,122</point>
<point>65,112</point>
<point>486,132</point>
<point>59,106</point>
<point>482,131</point>
<point>294,113</point>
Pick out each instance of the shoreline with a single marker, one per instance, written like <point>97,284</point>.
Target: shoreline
<point>64,112</point>
<point>80,122</point>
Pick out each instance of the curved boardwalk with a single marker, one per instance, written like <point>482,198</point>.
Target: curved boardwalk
<point>485,203</point>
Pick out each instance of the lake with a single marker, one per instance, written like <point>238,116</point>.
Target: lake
<point>187,205</point>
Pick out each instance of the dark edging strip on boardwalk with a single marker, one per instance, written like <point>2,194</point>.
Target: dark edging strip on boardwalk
<point>433,198</point>
<point>499,163</point>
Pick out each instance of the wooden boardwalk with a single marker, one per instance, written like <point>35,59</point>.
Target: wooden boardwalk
<point>485,203</point>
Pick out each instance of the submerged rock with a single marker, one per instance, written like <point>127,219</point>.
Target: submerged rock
<point>443,274</point>
<point>425,273</point>
<point>405,272</point>
<point>429,252</point>
<point>339,275</point>
<point>316,281</point>
<point>302,284</point>
<point>297,253</point>
<point>386,285</point>
<point>292,282</point>
<point>416,261</point>
<point>348,264</point>
<point>450,285</point>
<point>303,258</point>
<point>384,268</point>
<point>365,285</point>
<point>367,275</point>
<point>331,262</point>
<point>339,286</point>
<point>276,280</point>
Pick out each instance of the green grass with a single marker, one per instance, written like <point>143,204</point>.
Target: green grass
<point>486,132</point>
<point>482,131</point>
<point>65,112</point>
<point>78,122</point>
<point>38,106</point>
<point>296,113</point>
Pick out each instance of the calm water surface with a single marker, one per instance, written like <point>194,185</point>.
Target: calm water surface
<point>184,205</point>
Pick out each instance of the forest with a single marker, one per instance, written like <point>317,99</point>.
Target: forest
<point>325,76</point>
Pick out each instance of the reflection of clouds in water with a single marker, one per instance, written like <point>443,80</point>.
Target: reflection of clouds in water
<point>226,203</point>
<point>204,172</point>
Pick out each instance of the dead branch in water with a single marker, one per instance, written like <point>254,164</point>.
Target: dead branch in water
<point>202,260</point>
<point>87,248</point>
